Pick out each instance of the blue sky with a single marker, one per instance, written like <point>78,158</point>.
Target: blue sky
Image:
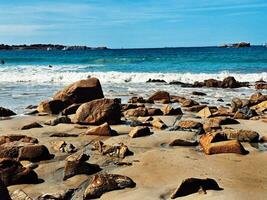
<point>133,23</point>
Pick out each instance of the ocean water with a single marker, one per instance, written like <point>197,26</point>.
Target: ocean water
<point>28,77</point>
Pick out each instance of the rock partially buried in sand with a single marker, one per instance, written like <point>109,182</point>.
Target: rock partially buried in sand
<point>139,132</point>
<point>4,194</point>
<point>76,164</point>
<point>99,111</point>
<point>261,107</point>
<point>103,183</point>
<point>4,112</point>
<point>241,135</point>
<point>34,153</point>
<point>186,143</point>
<point>245,113</point>
<point>193,185</point>
<point>31,125</point>
<point>65,195</point>
<point>118,151</point>
<point>58,120</point>
<point>15,137</point>
<point>188,103</point>
<point>102,130</point>
<point>71,109</point>
<point>51,107</point>
<point>81,91</point>
<point>12,173</point>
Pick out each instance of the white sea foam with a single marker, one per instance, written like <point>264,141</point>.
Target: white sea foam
<point>67,74</point>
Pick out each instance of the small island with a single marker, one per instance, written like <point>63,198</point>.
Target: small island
<point>48,47</point>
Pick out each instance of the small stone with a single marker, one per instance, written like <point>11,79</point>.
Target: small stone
<point>204,113</point>
<point>102,130</point>
<point>160,95</point>
<point>139,132</point>
<point>31,125</point>
<point>199,93</point>
<point>193,185</point>
<point>76,164</point>
<point>103,183</point>
<point>34,153</point>
<point>169,110</point>
<point>158,123</point>
<point>59,120</point>
<point>180,142</point>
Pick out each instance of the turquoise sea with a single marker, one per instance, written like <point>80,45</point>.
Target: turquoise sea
<point>29,76</point>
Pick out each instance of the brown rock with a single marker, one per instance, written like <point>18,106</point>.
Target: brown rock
<point>241,135</point>
<point>212,83</point>
<point>230,82</point>
<point>231,146</point>
<point>199,93</point>
<point>160,95</point>
<point>76,164</point>
<point>189,124</point>
<point>4,112</point>
<point>196,108</point>
<point>257,98</point>
<point>9,150</point>
<point>31,125</point>
<point>102,130</point>
<point>99,111</point>
<point>169,110</point>
<point>154,111</point>
<point>193,185</point>
<point>51,107</point>
<point>81,91</point>
<point>118,151</point>
<point>158,123</point>
<point>261,107</point>
<point>20,138</point>
<point>180,142</point>
<point>71,109</point>
<point>137,112</point>
<point>60,134</point>
<point>139,132</point>
<point>188,103</point>
<point>12,173</point>
<point>103,183</point>
<point>261,86</point>
<point>236,104</point>
<point>207,139</point>
<point>34,153</point>
<point>204,113</point>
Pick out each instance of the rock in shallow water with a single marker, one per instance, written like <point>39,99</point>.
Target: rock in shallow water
<point>193,185</point>
<point>4,112</point>
<point>103,183</point>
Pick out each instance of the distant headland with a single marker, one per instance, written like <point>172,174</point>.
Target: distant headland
<point>48,47</point>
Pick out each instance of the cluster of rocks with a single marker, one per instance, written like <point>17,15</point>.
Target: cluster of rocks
<point>83,103</point>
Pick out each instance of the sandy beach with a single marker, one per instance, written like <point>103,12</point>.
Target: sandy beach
<point>155,167</point>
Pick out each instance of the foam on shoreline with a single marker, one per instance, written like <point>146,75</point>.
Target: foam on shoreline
<point>65,75</point>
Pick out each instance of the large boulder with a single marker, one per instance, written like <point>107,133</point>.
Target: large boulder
<point>12,172</point>
<point>81,91</point>
<point>4,112</point>
<point>103,183</point>
<point>99,111</point>
<point>230,82</point>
